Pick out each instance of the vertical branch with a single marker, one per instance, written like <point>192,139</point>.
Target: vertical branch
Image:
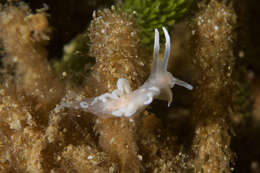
<point>214,58</point>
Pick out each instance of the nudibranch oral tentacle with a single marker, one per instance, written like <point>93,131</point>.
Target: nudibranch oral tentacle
<point>123,102</point>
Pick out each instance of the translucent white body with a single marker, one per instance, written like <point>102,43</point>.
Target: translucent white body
<point>125,102</point>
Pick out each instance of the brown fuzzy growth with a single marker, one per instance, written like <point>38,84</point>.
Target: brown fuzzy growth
<point>25,93</point>
<point>213,28</point>
<point>118,138</point>
<point>24,35</point>
<point>36,137</point>
<point>84,159</point>
<point>116,46</point>
<point>159,149</point>
<point>21,142</point>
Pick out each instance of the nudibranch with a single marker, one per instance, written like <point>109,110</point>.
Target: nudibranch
<point>123,101</point>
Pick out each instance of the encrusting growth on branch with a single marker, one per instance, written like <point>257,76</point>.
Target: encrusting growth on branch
<point>214,38</point>
<point>24,36</point>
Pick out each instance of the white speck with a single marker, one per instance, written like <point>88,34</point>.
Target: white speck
<point>64,74</point>
<point>141,63</point>
<point>58,158</point>
<point>216,28</point>
<point>113,7</point>
<point>102,31</point>
<point>140,157</point>
<point>94,14</point>
<point>117,113</point>
<point>15,59</point>
<point>111,170</point>
<point>90,157</point>
<point>112,140</point>
<point>84,104</point>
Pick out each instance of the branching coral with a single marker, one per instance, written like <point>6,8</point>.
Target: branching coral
<point>26,96</point>
<point>38,136</point>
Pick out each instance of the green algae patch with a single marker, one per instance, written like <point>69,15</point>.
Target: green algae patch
<point>152,14</point>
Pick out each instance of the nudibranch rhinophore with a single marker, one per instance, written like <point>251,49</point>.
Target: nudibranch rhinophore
<point>123,102</point>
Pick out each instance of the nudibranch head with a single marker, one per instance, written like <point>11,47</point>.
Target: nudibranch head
<point>165,80</point>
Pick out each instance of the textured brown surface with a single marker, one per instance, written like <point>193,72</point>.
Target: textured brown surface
<point>35,137</point>
<point>214,58</point>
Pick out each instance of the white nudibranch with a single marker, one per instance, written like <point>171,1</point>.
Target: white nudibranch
<point>123,102</point>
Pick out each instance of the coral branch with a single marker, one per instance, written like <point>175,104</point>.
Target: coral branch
<point>24,36</point>
<point>213,27</point>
